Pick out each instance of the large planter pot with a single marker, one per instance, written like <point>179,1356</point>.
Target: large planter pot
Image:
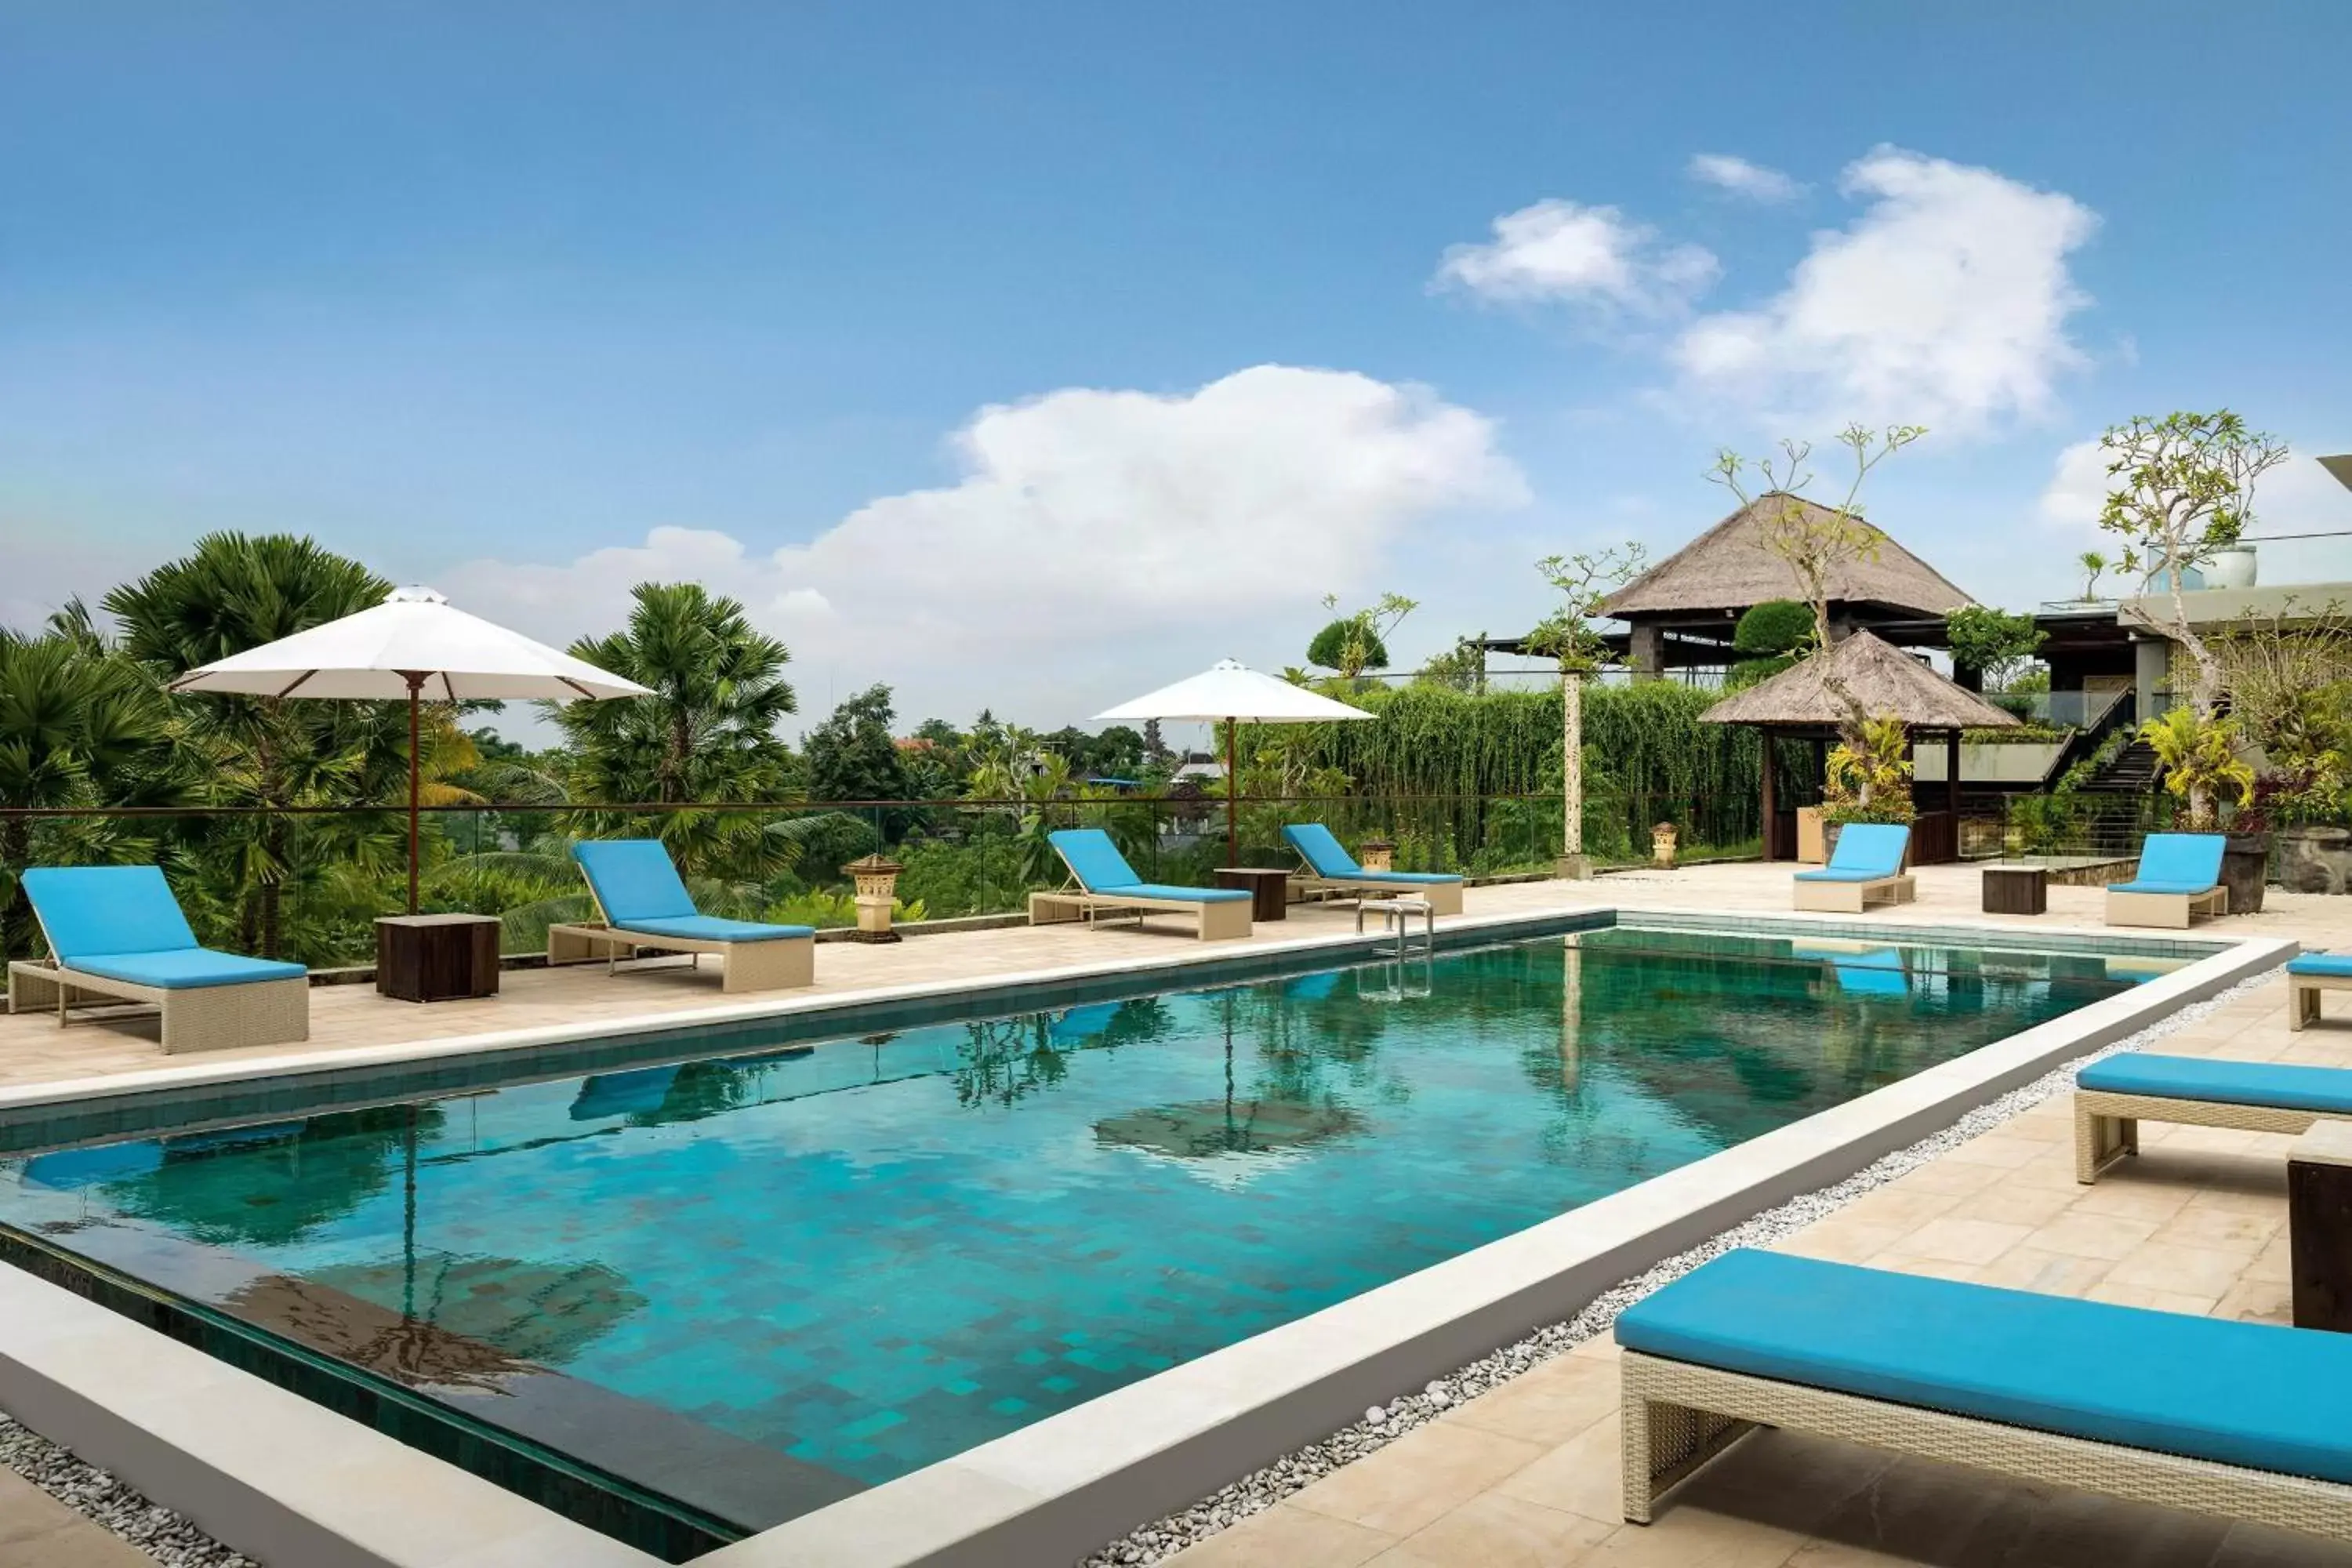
<point>2245,867</point>
<point>2314,860</point>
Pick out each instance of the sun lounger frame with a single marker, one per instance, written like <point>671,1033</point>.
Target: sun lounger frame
<point>1217,919</point>
<point>1831,897</point>
<point>1443,898</point>
<point>2107,1124</point>
<point>195,1017</point>
<point>2172,911</point>
<point>777,963</point>
<point>2302,995</point>
<point>1677,1415</point>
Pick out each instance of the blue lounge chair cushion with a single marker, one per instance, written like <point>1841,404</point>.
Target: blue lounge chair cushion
<point>1832,874</point>
<point>2320,964</point>
<point>1094,859</point>
<point>2177,863</point>
<point>713,928</point>
<point>1872,848</point>
<point>1322,851</point>
<point>633,879</point>
<point>2327,1089</point>
<point>2168,890</point>
<point>106,908</point>
<point>1405,878</point>
<point>1176,895</point>
<point>184,968</point>
<point>2259,1395</point>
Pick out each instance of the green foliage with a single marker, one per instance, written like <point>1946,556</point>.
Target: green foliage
<point>1349,646</point>
<point>707,733</point>
<point>1646,755</point>
<point>1870,777</point>
<point>1775,627</point>
<point>1992,642</point>
<point>1583,582</point>
<point>1750,672</point>
<point>235,592</point>
<point>827,908</point>
<point>852,757</point>
<point>2200,759</point>
<point>980,876</point>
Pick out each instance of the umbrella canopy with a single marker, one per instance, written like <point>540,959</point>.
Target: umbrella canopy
<point>412,643</point>
<point>370,656</point>
<point>1230,691</point>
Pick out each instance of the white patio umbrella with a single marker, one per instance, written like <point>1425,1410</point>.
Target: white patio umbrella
<point>411,642</point>
<point>1232,692</point>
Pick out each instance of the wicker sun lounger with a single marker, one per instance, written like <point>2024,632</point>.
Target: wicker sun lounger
<point>2114,1095</point>
<point>1102,882</point>
<point>645,906</point>
<point>1331,869</point>
<point>2309,975</point>
<point>2179,878</point>
<point>1866,867</point>
<point>115,933</point>
<point>2233,1420</point>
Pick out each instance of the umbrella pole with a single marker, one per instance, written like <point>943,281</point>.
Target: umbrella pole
<point>415,684</point>
<point>1233,788</point>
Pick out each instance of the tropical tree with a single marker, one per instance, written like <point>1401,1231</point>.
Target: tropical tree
<point>235,592</point>
<point>706,735</point>
<point>1994,643</point>
<point>2181,488</point>
<point>1568,636</point>
<point>80,726</point>
<point>1358,641</point>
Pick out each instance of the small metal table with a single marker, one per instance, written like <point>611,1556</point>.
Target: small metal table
<point>2016,889</point>
<point>1267,885</point>
<point>2319,1225</point>
<point>436,958</point>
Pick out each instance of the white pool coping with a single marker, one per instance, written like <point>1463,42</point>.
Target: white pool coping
<point>291,1482</point>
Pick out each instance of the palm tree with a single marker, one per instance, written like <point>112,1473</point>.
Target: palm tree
<point>235,592</point>
<point>80,726</point>
<point>707,733</point>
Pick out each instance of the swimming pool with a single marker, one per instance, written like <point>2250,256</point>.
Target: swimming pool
<point>740,1287</point>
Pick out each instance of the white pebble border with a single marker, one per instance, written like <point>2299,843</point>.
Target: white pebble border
<point>1383,1424</point>
<point>167,1537</point>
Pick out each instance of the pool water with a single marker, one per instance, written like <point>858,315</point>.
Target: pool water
<point>759,1283</point>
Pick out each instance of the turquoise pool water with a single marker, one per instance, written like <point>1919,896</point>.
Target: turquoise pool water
<point>760,1282</point>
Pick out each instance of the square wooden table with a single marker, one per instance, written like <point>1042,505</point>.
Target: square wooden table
<point>2016,889</point>
<point>436,958</point>
<point>2319,1225</point>
<point>1267,885</point>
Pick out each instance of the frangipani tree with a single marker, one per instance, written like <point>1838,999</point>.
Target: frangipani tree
<point>1584,583</point>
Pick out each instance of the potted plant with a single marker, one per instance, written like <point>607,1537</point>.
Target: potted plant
<point>2199,759</point>
<point>1868,782</point>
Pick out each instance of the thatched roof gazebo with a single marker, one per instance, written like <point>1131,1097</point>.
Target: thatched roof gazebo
<point>1805,702</point>
<point>1695,595</point>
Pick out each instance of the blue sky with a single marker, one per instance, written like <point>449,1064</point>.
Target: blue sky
<point>488,295</point>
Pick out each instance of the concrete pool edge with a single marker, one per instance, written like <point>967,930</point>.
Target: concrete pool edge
<point>245,1460</point>
<point>1056,1490</point>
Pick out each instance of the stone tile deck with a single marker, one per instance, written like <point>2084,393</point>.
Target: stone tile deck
<point>1528,1474</point>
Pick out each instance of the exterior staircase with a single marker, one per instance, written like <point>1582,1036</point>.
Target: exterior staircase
<point>2132,771</point>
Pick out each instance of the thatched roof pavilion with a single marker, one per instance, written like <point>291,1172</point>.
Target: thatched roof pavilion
<point>1802,701</point>
<point>1682,611</point>
<point>1728,568</point>
<point>1884,680</point>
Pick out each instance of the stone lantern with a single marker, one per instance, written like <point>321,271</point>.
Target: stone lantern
<point>1377,855</point>
<point>877,889</point>
<point>1661,845</point>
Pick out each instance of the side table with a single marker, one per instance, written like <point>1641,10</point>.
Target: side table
<point>1267,885</point>
<point>2319,1225</point>
<point>436,958</point>
<point>2016,889</point>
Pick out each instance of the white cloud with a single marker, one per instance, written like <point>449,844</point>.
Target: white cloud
<point>1945,303</point>
<point>2078,488</point>
<point>1098,541</point>
<point>1558,250</point>
<point>1754,182</point>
